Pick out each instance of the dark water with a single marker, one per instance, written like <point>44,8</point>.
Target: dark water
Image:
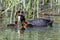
<point>43,33</point>
<point>36,33</point>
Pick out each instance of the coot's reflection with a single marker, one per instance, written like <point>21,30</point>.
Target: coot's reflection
<point>22,30</point>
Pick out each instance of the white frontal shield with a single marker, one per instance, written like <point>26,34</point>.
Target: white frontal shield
<point>18,18</point>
